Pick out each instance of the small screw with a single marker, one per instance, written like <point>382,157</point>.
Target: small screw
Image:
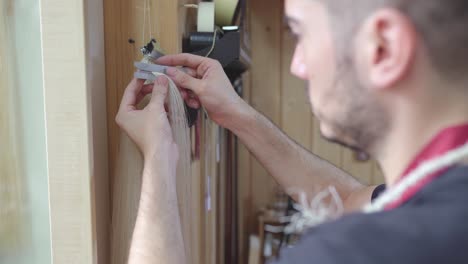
<point>131,41</point>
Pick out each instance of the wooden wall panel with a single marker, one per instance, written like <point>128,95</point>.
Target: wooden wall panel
<point>377,174</point>
<point>75,127</point>
<point>266,24</point>
<point>244,181</point>
<point>361,170</point>
<point>324,149</point>
<point>296,114</point>
<point>129,25</point>
<point>124,20</point>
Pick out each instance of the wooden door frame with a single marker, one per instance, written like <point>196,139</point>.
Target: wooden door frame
<point>72,35</point>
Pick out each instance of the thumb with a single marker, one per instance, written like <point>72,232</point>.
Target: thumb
<point>160,91</point>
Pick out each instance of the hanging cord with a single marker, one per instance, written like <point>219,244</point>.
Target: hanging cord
<point>146,20</point>
<point>149,19</point>
<point>213,45</point>
<point>144,23</point>
<point>217,29</point>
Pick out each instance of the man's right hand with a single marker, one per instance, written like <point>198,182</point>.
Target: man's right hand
<point>206,82</point>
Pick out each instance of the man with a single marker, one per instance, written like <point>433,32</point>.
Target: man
<point>385,77</point>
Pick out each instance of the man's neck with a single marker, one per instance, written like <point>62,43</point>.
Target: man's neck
<point>411,132</point>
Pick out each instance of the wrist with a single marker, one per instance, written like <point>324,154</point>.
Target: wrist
<point>241,117</point>
<point>158,153</point>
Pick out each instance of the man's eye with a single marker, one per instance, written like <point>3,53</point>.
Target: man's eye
<point>294,35</point>
<point>293,32</point>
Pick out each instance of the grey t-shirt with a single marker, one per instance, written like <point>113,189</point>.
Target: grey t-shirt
<point>432,227</point>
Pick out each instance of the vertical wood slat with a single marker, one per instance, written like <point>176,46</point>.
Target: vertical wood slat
<point>198,209</point>
<point>361,170</point>
<point>326,150</point>
<point>296,115</point>
<point>124,20</point>
<point>244,177</point>
<point>164,20</point>
<point>221,162</point>
<point>377,174</point>
<point>266,26</point>
<point>76,133</point>
<point>96,83</point>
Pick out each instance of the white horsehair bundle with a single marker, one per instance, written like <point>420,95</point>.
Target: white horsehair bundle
<point>318,211</point>
<point>127,182</point>
<point>11,180</point>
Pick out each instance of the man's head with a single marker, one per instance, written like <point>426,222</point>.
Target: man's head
<point>360,58</point>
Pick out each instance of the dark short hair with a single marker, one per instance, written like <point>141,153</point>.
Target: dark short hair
<point>442,24</point>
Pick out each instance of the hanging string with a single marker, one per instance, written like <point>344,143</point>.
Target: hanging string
<point>215,33</point>
<point>144,23</point>
<point>149,19</point>
<point>146,20</point>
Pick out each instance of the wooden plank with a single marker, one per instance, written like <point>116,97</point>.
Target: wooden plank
<point>204,187</point>
<point>323,148</point>
<point>221,163</point>
<point>125,20</point>
<point>266,23</point>
<point>74,119</point>
<point>211,203</point>
<point>359,169</point>
<point>214,181</point>
<point>244,179</point>
<point>139,21</point>
<point>198,210</point>
<point>296,115</point>
<point>231,223</point>
<point>244,176</point>
<point>99,154</point>
<point>377,174</point>
<point>198,204</point>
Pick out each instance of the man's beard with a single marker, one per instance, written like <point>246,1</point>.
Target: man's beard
<point>362,122</point>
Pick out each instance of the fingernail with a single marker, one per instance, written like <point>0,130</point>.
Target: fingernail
<point>162,80</point>
<point>171,71</point>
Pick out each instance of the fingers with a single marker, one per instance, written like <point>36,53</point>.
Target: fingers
<point>160,91</point>
<point>130,95</point>
<point>191,72</point>
<point>145,90</point>
<point>187,60</point>
<point>193,103</point>
<point>184,80</point>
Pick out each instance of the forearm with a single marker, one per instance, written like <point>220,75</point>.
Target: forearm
<point>157,235</point>
<point>292,166</point>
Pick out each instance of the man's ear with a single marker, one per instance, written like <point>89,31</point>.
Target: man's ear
<point>389,47</point>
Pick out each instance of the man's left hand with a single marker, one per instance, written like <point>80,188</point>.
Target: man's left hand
<point>149,127</point>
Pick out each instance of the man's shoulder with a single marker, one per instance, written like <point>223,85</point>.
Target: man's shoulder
<point>430,228</point>
<point>400,236</point>
<point>450,189</point>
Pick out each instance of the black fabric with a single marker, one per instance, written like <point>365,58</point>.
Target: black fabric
<point>378,191</point>
<point>430,228</point>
